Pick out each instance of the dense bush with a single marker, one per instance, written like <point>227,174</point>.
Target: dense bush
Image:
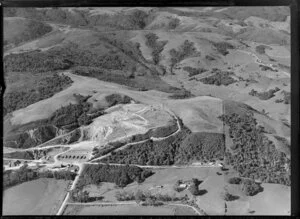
<point>187,49</point>
<point>44,88</point>
<point>120,175</point>
<point>27,155</point>
<point>286,97</point>
<point>115,99</point>
<point>135,19</point>
<point>59,58</point>
<point>234,180</point>
<point>156,46</point>
<point>194,71</point>
<point>33,30</point>
<point>150,152</point>
<point>261,49</point>
<point>222,47</point>
<point>253,155</point>
<point>219,78</point>
<point>201,146</point>
<point>174,23</point>
<point>35,61</point>
<point>267,68</point>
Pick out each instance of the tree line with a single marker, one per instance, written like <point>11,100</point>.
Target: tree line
<point>25,174</point>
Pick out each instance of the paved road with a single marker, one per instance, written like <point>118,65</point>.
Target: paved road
<point>62,207</point>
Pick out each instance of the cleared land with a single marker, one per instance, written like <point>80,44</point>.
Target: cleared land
<point>38,197</point>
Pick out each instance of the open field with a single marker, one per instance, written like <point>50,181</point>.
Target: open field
<point>38,197</point>
<point>127,210</point>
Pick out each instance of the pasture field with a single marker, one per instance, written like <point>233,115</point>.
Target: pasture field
<point>133,209</point>
<point>37,197</point>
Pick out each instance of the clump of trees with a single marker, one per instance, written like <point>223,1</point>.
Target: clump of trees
<point>182,95</point>
<point>234,180</point>
<point>252,154</point>
<point>43,89</point>
<point>156,46</point>
<point>266,68</point>
<point>194,71</point>
<point>264,95</point>
<point>219,78</point>
<point>120,175</point>
<point>250,187</point>
<point>80,114</point>
<point>187,49</point>
<point>223,47</point>
<point>20,138</point>
<point>194,187</point>
<point>229,197</point>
